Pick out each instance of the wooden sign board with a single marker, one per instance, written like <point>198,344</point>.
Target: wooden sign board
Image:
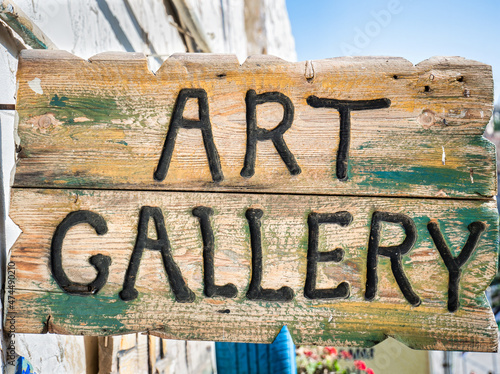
<point>351,199</point>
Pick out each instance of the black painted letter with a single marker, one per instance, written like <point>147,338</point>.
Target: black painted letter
<point>255,291</point>
<point>178,121</point>
<point>210,289</point>
<point>99,262</point>
<point>314,256</point>
<point>255,133</point>
<point>454,264</point>
<point>181,291</point>
<point>344,108</point>
<point>394,252</point>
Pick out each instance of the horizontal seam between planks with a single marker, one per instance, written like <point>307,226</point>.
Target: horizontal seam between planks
<point>479,198</point>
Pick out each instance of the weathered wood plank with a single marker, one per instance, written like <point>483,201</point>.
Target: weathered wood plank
<point>110,141</point>
<point>41,305</point>
<point>81,122</point>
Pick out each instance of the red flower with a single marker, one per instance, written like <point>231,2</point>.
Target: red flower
<point>308,353</point>
<point>360,365</point>
<point>330,350</point>
<point>369,371</point>
<point>346,355</point>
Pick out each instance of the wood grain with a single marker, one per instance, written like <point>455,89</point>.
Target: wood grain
<point>42,306</point>
<point>102,124</point>
<point>90,135</point>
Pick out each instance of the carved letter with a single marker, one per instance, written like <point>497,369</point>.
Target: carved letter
<point>255,291</point>
<point>99,262</point>
<point>255,133</point>
<point>344,108</point>
<point>314,256</point>
<point>454,264</point>
<point>178,121</point>
<point>393,252</point>
<point>210,288</point>
<point>181,291</point>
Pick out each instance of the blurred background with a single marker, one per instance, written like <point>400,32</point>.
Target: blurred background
<point>295,30</point>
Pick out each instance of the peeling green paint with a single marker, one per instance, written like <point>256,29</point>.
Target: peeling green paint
<point>93,311</point>
<point>442,178</point>
<point>474,178</point>
<point>58,101</point>
<point>89,110</point>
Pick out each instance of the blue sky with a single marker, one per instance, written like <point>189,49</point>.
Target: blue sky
<point>413,29</point>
